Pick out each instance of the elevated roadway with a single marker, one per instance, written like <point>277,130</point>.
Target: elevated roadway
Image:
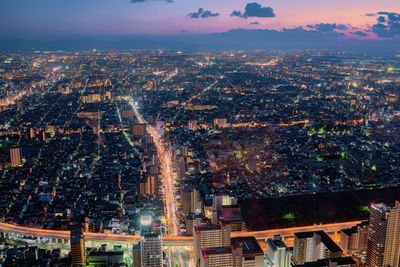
<point>41,234</point>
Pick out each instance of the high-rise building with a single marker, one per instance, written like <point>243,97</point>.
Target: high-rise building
<point>77,248</point>
<point>190,200</point>
<point>32,133</point>
<point>312,246</point>
<point>186,200</point>
<point>192,125</point>
<point>216,257</point>
<point>151,252</point>
<point>247,252</point>
<point>377,234</point>
<point>392,245</point>
<point>384,236</point>
<point>277,253</point>
<point>210,236</point>
<point>150,186</point>
<point>137,261</point>
<point>15,157</point>
<point>354,240</point>
<point>20,106</point>
<point>220,122</point>
<point>139,130</point>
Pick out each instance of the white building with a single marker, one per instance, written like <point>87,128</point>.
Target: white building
<point>277,253</point>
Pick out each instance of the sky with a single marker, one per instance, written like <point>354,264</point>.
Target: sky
<point>345,19</point>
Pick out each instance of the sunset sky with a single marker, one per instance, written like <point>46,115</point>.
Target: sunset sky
<point>54,18</point>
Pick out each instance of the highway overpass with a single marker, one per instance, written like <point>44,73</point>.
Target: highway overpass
<point>62,237</point>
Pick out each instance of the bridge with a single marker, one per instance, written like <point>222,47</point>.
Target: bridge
<point>61,238</point>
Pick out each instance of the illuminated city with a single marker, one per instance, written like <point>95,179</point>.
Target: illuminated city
<point>160,133</point>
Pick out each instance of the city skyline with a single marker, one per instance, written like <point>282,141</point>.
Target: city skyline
<point>208,24</point>
<point>200,133</point>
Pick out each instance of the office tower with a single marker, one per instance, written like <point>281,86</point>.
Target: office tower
<point>354,240</point>
<point>189,222</point>
<point>186,200</point>
<point>137,261</point>
<point>384,236</point>
<point>151,252</point>
<point>150,186</point>
<point>247,252</point>
<point>32,133</point>
<point>216,257</point>
<point>392,244</point>
<point>312,246</point>
<point>15,156</point>
<point>197,203</point>
<point>210,236</point>
<point>128,113</point>
<point>192,125</point>
<point>223,200</point>
<point>139,130</point>
<point>77,248</point>
<point>190,200</point>
<point>277,253</point>
<point>377,234</point>
<point>231,216</point>
<point>20,106</point>
<point>220,122</point>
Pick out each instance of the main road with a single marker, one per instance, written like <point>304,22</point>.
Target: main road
<point>172,240</point>
<point>166,169</point>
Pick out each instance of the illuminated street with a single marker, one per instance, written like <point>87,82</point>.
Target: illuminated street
<point>166,169</point>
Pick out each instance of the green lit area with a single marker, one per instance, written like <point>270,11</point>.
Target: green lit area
<point>365,208</point>
<point>238,154</point>
<point>289,216</point>
<point>321,131</point>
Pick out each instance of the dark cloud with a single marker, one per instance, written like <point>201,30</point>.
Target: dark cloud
<point>382,19</point>
<point>359,33</point>
<point>254,23</point>
<point>201,13</point>
<point>388,25</point>
<point>142,1</point>
<point>370,14</point>
<point>254,10</point>
<point>327,27</point>
<point>392,16</point>
<point>297,38</point>
<point>236,13</point>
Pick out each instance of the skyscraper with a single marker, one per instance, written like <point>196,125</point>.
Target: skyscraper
<point>137,262</point>
<point>15,157</point>
<point>151,252</point>
<point>210,236</point>
<point>312,246</point>
<point>392,244</point>
<point>213,257</point>
<point>384,236</point>
<point>354,240</point>
<point>77,248</point>
<point>247,252</point>
<point>377,234</point>
<point>277,253</point>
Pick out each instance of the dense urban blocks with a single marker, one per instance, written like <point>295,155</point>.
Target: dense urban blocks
<point>207,150</point>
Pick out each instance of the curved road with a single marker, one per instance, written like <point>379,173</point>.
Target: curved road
<point>173,240</point>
